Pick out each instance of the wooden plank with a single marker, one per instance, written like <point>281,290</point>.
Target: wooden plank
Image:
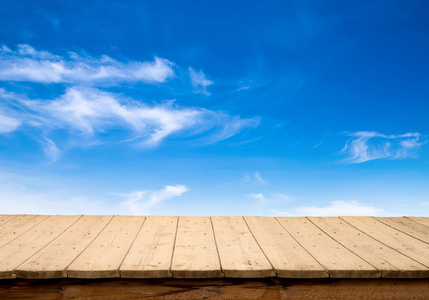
<point>421,220</point>
<point>415,229</point>
<point>195,254</point>
<point>18,226</point>
<point>391,237</point>
<point>287,257</point>
<point>336,259</point>
<point>151,253</point>
<point>52,260</point>
<point>240,254</point>
<point>6,218</point>
<point>27,244</point>
<point>389,262</point>
<point>102,258</point>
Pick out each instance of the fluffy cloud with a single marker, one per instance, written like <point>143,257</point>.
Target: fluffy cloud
<point>199,82</point>
<point>140,202</point>
<point>365,146</point>
<point>28,64</point>
<point>338,208</point>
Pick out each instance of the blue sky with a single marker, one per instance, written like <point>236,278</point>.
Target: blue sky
<point>274,108</point>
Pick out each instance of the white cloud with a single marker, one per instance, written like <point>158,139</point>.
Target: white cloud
<point>199,81</point>
<point>51,150</point>
<point>259,197</point>
<point>259,178</point>
<point>254,178</point>
<point>89,115</point>
<point>23,194</point>
<point>366,146</point>
<point>273,199</point>
<point>8,124</point>
<point>140,202</point>
<point>29,64</point>
<point>337,208</point>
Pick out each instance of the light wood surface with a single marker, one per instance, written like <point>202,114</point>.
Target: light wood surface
<point>6,218</point>
<point>286,255</point>
<point>18,226</point>
<point>195,253</point>
<point>238,251</point>
<point>38,247</point>
<point>405,244</point>
<point>339,261</point>
<point>151,253</point>
<point>412,228</point>
<point>56,256</point>
<point>102,258</point>
<point>421,220</point>
<point>32,241</point>
<point>388,261</point>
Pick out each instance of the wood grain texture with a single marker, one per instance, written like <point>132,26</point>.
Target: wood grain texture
<point>29,243</point>
<point>18,226</point>
<point>195,254</point>
<point>239,253</point>
<point>395,239</point>
<point>6,218</point>
<point>151,253</point>
<point>287,257</point>
<point>52,260</point>
<point>407,226</point>
<point>34,246</point>
<point>421,220</point>
<point>388,261</point>
<point>335,258</point>
<point>102,258</point>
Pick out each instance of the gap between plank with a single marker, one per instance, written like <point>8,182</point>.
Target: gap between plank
<point>65,270</point>
<point>50,241</point>
<point>401,230</point>
<point>217,249</point>
<point>327,271</point>
<point>174,247</point>
<point>120,265</point>
<point>386,244</point>
<point>274,270</point>
<point>347,247</point>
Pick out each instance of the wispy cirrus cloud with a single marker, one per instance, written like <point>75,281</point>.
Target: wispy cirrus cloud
<point>139,202</point>
<point>337,208</point>
<point>370,145</point>
<point>8,124</point>
<point>253,178</point>
<point>86,115</point>
<point>90,114</point>
<point>199,81</point>
<point>29,64</point>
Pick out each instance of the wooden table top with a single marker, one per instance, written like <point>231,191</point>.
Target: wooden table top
<point>83,246</point>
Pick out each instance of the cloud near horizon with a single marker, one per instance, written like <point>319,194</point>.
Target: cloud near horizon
<point>335,209</point>
<point>139,202</point>
<point>370,145</point>
<point>29,64</point>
